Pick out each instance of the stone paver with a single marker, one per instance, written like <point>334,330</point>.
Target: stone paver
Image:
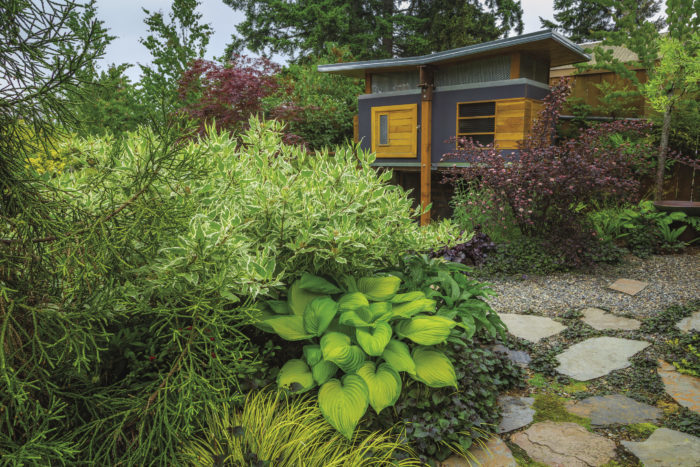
<point>684,389</point>
<point>564,444</point>
<point>691,323</point>
<point>600,320</point>
<point>597,357</point>
<point>495,454</point>
<point>531,328</point>
<point>615,410</point>
<point>628,286</point>
<point>666,448</point>
<point>517,412</point>
<point>519,357</point>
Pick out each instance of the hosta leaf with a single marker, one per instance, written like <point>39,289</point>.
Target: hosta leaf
<point>374,340</point>
<point>383,383</point>
<point>296,376</point>
<point>352,301</point>
<point>318,315</point>
<point>341,328</point>
<point>299,298</point>
<point>318,285</point>
<point>433,368</point>
<point>323,371</point>
<point>408,309</point>
<point>357,318</point>
<point>425,330</point>
<point>312,354</point>
<point>344,404</point>
<point>380,311</point>
<point>397,355</point>
<point>337,348</point>
<point>279,307</point>
<point>290,328</point>
<point>380,288</point>
<point>407,297</point>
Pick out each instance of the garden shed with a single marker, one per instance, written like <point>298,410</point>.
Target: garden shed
<point>489,92</point>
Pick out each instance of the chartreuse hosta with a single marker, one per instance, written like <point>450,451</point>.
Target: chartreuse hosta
<point>361,337</point>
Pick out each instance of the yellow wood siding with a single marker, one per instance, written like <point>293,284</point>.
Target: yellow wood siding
<point>513,121</point>
<point>402,132</point>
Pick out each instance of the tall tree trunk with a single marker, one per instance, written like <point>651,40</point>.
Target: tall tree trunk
<point>388,36</point>
<point>661,158</point>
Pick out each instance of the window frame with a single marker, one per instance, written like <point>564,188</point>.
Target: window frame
<point>383,151</point>
<point>458,119</point>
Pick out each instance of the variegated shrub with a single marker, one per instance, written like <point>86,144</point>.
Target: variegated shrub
<point>361,335</point>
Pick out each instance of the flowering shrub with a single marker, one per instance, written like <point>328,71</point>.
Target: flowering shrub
<point>547,183</point>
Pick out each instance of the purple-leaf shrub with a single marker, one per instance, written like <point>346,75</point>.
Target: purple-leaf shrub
<point>474,251</point>
<point>546,185</point>
<point>227,95</point>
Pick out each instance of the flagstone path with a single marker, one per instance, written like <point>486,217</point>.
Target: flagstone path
<point>684,389</point>
<point>597,357</point>
<point>600,320</point>
<point>564,444</point>
<point>531,328</point>
<point>614,409</point>
<point>558,443</point>
<point>691,323</point>
<point>666,448</point>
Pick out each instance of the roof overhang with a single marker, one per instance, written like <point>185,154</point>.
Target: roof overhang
<point>557,49</point>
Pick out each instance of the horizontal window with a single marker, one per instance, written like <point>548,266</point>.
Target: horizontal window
<point>479,109</point>
<point>477,125</point>
<point>477,121</point>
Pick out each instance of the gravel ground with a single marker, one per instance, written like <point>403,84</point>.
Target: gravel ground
<point>673,279</point>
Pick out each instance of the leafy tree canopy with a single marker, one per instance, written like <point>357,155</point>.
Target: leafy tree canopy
<point>581,20</point>
<point>173,43</point>
<point>643,38</point>
<point>372,28</point>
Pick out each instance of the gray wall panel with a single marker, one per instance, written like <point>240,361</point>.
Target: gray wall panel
<point>444,113</point>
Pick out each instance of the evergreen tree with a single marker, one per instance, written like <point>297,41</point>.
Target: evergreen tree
<point>372,28</point>
<point>113,104</point>
<point>580,20</point>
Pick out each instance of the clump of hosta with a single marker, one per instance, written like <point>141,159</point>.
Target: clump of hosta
<point>362,336</point>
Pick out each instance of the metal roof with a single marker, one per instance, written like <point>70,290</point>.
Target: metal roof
<point>357,68</point>
<point>619,52</point>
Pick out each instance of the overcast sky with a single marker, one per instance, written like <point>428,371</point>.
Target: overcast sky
<point>124,18</point>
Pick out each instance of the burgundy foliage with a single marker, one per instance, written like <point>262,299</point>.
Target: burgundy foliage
<point>551,178</point>
<point>474,251</point>
<point>227,95</point>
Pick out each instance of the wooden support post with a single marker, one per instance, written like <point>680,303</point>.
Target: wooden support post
<point>515,66</point>
<point>426,112</point>
<point>368,83</point>
<point>356,128</point>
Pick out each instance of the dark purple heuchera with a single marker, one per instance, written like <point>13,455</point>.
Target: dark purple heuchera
<point>551,178</point>
<point>472,252</point>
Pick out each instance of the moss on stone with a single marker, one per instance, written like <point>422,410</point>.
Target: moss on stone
<point>551,407</point>
<point>642,429</point>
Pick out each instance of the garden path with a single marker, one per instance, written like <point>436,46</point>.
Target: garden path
<point>599,390</point>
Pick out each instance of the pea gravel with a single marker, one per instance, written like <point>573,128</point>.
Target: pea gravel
<point>673,279</point>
